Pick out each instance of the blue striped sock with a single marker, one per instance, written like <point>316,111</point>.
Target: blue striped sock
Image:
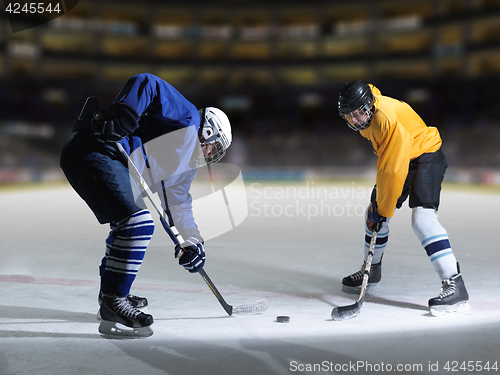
<point>435,241</point>
<point>380,242</point>
<point>125,249</point>
<point>439,251</point>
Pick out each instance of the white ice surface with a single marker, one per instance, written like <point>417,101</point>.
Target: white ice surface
<point>51,246</point>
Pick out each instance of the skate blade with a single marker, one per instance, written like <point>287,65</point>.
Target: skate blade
<point>373,287</point>
<point>115,330</point>
<point>143,309</point>
<point>461,308</point>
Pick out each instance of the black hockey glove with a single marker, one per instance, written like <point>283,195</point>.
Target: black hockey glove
<point>374,221</point>
<point>90,107</point>
<point>193,257</point>
<point>115,124</point>
<point>103,126</point>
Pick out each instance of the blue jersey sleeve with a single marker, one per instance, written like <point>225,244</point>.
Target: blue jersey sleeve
<point>150,96</point>
<point>178,202</point>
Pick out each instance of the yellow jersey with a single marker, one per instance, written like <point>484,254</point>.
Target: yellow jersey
<point>398,135</point>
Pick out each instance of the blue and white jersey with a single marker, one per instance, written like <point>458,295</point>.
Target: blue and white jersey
<point>167,135</point>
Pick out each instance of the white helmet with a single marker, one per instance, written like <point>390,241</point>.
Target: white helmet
<point>214,134</point>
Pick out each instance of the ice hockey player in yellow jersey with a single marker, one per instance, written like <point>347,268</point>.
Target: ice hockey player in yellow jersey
<point>411,165</point>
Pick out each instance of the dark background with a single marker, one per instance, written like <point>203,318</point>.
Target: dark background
<point>274,67</point>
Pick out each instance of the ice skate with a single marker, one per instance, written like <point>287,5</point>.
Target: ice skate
<point>138,303</point>
<point>120,318</point>
<point>352,284</point>
<point>453,298</point>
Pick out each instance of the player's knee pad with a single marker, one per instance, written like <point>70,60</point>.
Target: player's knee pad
<point>425,223</point>
<point>139,225</point>
<point>125,248</point>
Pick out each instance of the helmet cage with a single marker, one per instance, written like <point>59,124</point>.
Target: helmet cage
<point>212,151</point>
<point>360,118</point>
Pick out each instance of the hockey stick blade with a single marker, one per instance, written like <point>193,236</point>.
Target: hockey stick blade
<point>247,309</point>
<point>255,307</point>
<point>347,312</point>
<point>351,311</point>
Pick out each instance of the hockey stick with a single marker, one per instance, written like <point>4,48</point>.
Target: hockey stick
<point>250,308</point>
<point>350,311</point>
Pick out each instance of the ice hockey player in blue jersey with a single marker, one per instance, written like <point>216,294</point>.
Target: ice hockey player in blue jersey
<point>147,111</point>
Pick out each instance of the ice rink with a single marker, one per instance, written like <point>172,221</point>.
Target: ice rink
<point>297,242</point>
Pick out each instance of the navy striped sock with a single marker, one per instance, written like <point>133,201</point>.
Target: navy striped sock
<point>125,249</point>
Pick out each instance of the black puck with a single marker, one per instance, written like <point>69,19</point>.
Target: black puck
<point>283,319</point>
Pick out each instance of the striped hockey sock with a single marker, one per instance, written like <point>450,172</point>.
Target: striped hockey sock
<point>125,249</point>
<point>380,242</point>
<point>435,241</point>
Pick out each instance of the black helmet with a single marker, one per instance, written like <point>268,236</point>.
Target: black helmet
<point>353,97</point>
